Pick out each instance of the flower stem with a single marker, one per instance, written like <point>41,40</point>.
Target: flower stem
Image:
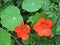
<point>15,39</point>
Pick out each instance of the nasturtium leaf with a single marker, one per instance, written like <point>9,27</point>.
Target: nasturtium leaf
<point>46,5</point>
<point>32,5</point>
<point>58,30</point>
<point>11,17</point>
<point>5,38</point>
<point>35,17</point>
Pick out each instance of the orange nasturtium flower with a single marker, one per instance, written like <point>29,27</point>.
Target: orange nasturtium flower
<point>22,31</point>
<point>43,27</point>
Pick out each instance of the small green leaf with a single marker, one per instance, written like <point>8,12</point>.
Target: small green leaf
<point>28,41</point>
<point>29,19</point>
<point>54,29</point>
<point>34,37</point>
<point>5,1</point>
<point>55,0</point>
<point>58,30</point>
<point>59,9</point>
<point>5,38</point>
<point>57,40</point>
<point>58,22</point>
<point>11,17</point>
<point>58,27</point>
<point>32,5</point>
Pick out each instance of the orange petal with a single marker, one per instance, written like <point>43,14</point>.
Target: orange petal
<point>41,20</point>
<point>40,32</point>
<point>47,32</point>
<point>36,27</point>
<point>18,29</point>
<point>22,23</point>
<point>48,23</point>
<point>25,36</point>
<point>19,35</point>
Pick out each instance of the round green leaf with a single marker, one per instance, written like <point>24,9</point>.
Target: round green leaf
<point>11,17</point>
<point>4,37</point>
<point>32,5</point>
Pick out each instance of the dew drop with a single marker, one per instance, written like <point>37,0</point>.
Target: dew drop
<point>33,4</point>
<point>14,18</point>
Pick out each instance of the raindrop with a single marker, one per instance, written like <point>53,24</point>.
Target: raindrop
<point>14,18</point>
<point>33,4</point>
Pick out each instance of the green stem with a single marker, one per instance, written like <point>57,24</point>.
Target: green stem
<point>15,39</point>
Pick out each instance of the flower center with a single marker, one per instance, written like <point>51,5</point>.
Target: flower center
<point>24,30</point>
<point>44,26</point>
